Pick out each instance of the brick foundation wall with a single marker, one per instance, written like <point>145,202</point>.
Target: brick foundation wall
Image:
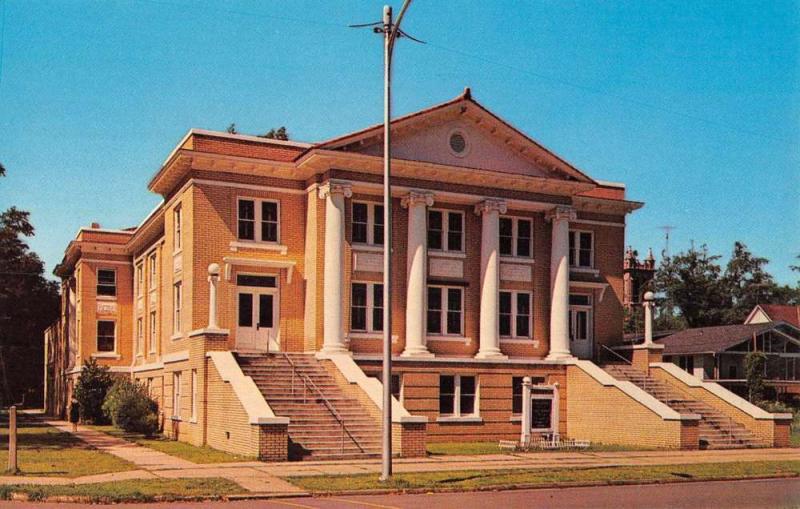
<point>607,415</point>
<point>409,439</point>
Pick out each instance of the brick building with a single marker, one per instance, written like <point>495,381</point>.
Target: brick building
<point>250,300</point>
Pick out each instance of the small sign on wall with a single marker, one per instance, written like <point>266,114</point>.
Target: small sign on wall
<point>441,267</point>
<point>368,262</point>
<point>106,308</point>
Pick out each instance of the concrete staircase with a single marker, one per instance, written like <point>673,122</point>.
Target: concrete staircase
<point>715,430</point>
<point>299,387</point>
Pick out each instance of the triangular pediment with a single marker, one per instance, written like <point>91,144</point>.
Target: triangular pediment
<point>461,132</point>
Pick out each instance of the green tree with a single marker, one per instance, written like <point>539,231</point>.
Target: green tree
<point>276,134</point>
<point>29,303</point>
<point>691,285</point>
<point>91,390</point>
<point>747,283</point>
<point>754,365</point>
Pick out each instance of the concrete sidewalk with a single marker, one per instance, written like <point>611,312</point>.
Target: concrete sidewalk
<point>267,478</point>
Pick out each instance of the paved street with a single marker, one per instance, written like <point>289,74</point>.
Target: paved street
<point>761,494</point>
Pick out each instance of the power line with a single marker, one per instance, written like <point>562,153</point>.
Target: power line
<point>492,61</point>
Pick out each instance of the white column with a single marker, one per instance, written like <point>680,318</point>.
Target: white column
<point>648,318</point>
<point>490,211</point>
<point>559,283</point>
<point>334,194</point>
<point>213,277</point>
<point>417,204</point>
<point>525,433</point>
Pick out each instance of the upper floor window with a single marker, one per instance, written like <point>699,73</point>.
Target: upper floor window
<point>153,331</point>
<point>457,395</point>
<point>515,237</point>
<point>258,220</point>
<point>445,310</point>
<point>153,268</point>
<point>177,227</point>
<point>177,301</point>
<point>139,335</point>
<point>106,336</point>
<point>581,249</point>
<point>139,279</point>
<point>515,314</point>
<point>107,282</point>
<point>445,230</point>
<point>366,307</point>
<point>367,222</point>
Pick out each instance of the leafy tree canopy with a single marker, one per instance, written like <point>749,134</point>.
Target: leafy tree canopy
<point>276,134</point>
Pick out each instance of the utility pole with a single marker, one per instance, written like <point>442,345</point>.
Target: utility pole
<point>667,229</point>
<point>391,31</point>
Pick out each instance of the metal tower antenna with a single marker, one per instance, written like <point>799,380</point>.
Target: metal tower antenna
<point>667,229</point>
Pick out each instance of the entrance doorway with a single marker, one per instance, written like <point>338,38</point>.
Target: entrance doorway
<point>258,313</point>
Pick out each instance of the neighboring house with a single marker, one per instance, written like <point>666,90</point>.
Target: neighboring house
<point>718,353</point>
<point>764,313</point>
<point>250,301</point>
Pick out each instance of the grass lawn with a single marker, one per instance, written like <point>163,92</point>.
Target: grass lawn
<point>45,451</point>
<point>183,450</point>
<point>450,448</point>
<point>476,479</point>
<point>131,491</point>
<point>795,437</point>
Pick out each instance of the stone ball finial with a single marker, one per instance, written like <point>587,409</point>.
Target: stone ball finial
<point>649,296</point>
<point>213,269</point>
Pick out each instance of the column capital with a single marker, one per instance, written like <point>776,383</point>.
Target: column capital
<point>335,187</point>
<point>560,213</point>
<point>491,205</point>
<point>417,197</point>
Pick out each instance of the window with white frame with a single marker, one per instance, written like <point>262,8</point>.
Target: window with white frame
<point>581,249</point>
<point>367,223</point>
<point>516,392</point>
<point>177,227</point>
<point>153,332</point>
<point>445,230</point>
<point>107,282</point>
<point>176,395</point>
<point>258,220</point>
<point>580,317</point>
<point>153,268</point>
<point>139,335</point>
<point>515,314</point>
<point>516,235</point>
<point>458,396</point>
<point>139,279</point>
<point>445,310</point>
<point>177,301</point>
<point>194,395</point>
<point>106,336</point>
<point>366,307</point>
<point>542,406</point>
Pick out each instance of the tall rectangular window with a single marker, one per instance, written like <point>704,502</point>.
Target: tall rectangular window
<point>139,335</point>
<point>366,307</point>
<point>176,395</point>
<point>445,230</point>
<point>177,227</point>
<point>515,314</point>
<point>258,220</point>
<point>153,268</point>
<point>445,310</point>
<point>516,235</point>
<point>516,392</point>
<point>153,332</point>
<point>194,395</point>
<point>106,336</point>
<point>581,249</point>
<point>458,396</point>
<point>177,301</point>
<point>140,279</point>
<point>107,282</point>
<point>367,223</point>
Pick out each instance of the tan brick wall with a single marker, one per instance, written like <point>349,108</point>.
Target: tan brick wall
<point>606,415</point>
<point>769,431</point>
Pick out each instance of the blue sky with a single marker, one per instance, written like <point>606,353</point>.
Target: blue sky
<point>694,105</point>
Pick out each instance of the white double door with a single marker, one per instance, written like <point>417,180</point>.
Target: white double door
<point>258,319</point>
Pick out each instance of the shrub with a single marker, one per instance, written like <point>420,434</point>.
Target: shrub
<point>754,365</point>
<point>90,391</point>
<point>130,408</point>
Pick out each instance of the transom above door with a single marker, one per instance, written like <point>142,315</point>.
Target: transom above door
<point>257,313</point>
